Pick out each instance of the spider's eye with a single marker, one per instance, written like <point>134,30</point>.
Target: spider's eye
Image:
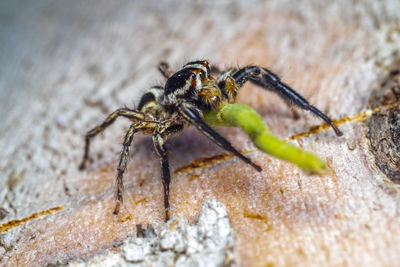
<point>193,76</point>
<point>202,74</point>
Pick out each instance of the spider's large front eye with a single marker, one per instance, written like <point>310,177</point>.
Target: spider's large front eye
<point>193,76</point>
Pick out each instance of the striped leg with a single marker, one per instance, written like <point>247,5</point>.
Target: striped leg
<point>165,129</point>
<point>122,166</point>
<point>268,80</point>
<point>163,67</point>
<point>161,150</point>
<point>194,118</point>
<point>124,112</point>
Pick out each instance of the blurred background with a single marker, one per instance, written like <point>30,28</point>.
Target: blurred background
<point>65,65</point>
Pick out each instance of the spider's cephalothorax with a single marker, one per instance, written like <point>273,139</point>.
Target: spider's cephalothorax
<point>192,84</point>
<point>186,96</point>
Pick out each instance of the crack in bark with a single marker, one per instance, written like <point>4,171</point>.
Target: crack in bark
<point>383,128</point>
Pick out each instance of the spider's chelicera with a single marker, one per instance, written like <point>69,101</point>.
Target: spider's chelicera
<point>186,96</point>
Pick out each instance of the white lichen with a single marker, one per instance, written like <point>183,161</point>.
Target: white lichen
<point>208,243</point>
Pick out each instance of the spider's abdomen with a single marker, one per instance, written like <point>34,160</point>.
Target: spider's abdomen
<point>146,99</point>
<point>149,101</point>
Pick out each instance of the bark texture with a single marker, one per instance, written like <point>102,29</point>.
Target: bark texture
<point>66,64</point>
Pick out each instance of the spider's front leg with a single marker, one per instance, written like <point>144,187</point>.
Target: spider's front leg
<point>122,166</point>
<point>193,116</point>
<point>239,115</point>
<point>124,112</point>
<point>268,80</point>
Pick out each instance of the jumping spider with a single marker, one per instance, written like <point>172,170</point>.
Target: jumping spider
<point>187,95</point>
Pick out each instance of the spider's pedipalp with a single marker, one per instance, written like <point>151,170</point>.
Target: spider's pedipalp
<point>193,116</point>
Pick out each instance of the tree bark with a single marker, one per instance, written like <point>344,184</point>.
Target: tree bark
<point>66,65</point>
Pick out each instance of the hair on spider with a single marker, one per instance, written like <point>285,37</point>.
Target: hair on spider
<point>188,94</point>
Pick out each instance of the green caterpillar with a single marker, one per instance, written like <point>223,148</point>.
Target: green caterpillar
<point>243,116</point>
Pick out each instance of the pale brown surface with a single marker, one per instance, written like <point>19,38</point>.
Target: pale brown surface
<point>66,65</point>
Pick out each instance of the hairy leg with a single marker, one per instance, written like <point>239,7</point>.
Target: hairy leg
<point>161,150</point>
<point>124,112</point>
<point>163,67</point>
<point>122,166</point>
<point>194,118</point>
<point>162,132</point>
<point>268,80</point>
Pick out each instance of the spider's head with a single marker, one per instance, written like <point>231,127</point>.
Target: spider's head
<point>186,84</point>
<point>188,79</point>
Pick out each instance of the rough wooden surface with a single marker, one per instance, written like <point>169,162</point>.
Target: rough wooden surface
<point>65,65</point>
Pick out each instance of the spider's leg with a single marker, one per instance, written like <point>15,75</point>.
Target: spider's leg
<point>193,116</point>
<point>124,112</point>
<point>163,67</point>
<point>161,150</point>
<point>214,69</point>
<point>270,81</point>
<point>122,165</point>
<point>165,129</point>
